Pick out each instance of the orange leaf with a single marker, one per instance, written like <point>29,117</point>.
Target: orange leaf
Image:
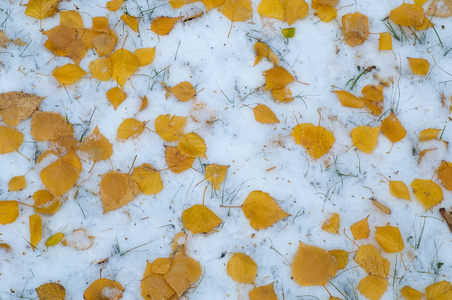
<point>356,28</point>
<point>215,174</point>
<point>419,66</point>
<point>79,239</point>
<point>439,291</point>
<point>131,21</point>
<point>389,238</point>
<point>373,92</point>
<point>116,190</point>
<point>429,134</point>
<point>341,258</point>
<point>104,289</point>
<point>124,64</point>
<point>272,9</point>
<point>263,114</point>
<point>265,292</point>
<point>17,183</point>
<point>130,128</point>
<point>101,68</point>
<point>148,179</point>
<point>47,126</point>
<point>45,202</point>
<point>348,99</point>
<point>41,9</point>
<point>68,74</point>
<point>170,128</point>
<point>399,189</point>
<point>145,55</point>
<point>392,128</point>
<point>295,9</point>
<point>385,41</point>
<point>184,272</point>
<point>277,78</point>
<point>411,294</point>
<point>183,91</point>
<point>97,146</point>
<point>365,138</point>
<point>373,287</point>
<point>10,139</point>
<point>237,10</point>
<point>163,25</point>
<point>114,5</point>
<point>370,259</point>
<point>192,145</point>
<point>407,15</point>
<point>445,175</point>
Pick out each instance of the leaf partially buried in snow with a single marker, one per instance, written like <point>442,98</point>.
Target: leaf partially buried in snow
<point>51,291</point>
<point>313,266</point>
<point>68,74</point>
<point>407,15</point>
<point>177,162</point>
<point>445,174</point>
<point>263,114</point>
<point>332,224</point>
<point>17,183</point>
<point>348,99</point>
<point>389,238</point>
<point>79,239</point>
<point>360,229</point>
<point>419,66</point>
<point>411,294</point>
<point>130,128</point>
<point>429,134</point>
<point>192,145</point>
<point>60,176</point>
<point>277,78</point>
<point>265,292</point>
<point>47,126</point>
<point>316,140</point>
<point>10,139</point>
<point>116,96</point>
<point>184,272</point>
<point>399,189</point>
<point>9,211</point>
<point>427,192</point>
<point>365,138</point>
<point>237,10</point>
<point>373,287</point>
<point>242,268</point>
<point>124,64</point>
<point>200,219</point>
<point>261,210</point>
<point>392,128</point>
<point>148,179</point>
<point>163,25</point>
<point>97,146</point>
<point>272,9</point>
<point>170,128</point>
<point>216,174</point>
<point>104,289</point>
<point>356,28</point>
<point>17,106</point>
<point>101,68</point>
<point>45,202</point>
<point>263,50</point>
<point>41,9</point>
<point>183,91</point>
<point>35,229</point>
<point>116,190</point>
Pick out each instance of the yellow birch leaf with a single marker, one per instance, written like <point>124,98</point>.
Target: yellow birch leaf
<point>104,43</point>
<point>177,162</point>
<point>100,24</point>
<point>429,134</point>
<point>373,92</point>
<point>154,286</point>
<point>282,95</point>
<point>385,42</point>
<point>192,145</point>
<point>295,9</point>
<point>163,25</point>
<point>419,66</point>
<point>427,192</point>
<point>114,5</point>
<point>200,219</point>
<point>389,238</point>
<point>148,179</point>
<point>265,292</point>
<point>183,91</point>
<point>332,224</point>
<point>51,291</point>
<point>392,128</point>
<point>180,3</point>
<point>356,28</point>
<point>17,106</point>
<point>47,126</point>
<point>184,272</point>
<point>17,183</point>
<point>365,138</point>
<point>45,202</point>
<point>370,259</point>
<point>407,15</point>
<point>375,107</point>
<point>41,9</point>
<point>326,13</point>
<point>263,50</point>
<point>242,268</point>
<point>130,128</point>
<point>445,175</point>
<point>124,64</point>
<point>10,139</point>
<point>160,265</point>
<point>316,140</point>
<point>263,114</point>
<point>97,146</point>
<point>420,2</point>
<point>381,206</point>
<point>145,55</point>
<point>262,210</point>
<point>104,289</point>
<point>272,9</point>
<point>426,23</point>
<point>399,189</point>
<point>411,294</point>
<point>212,3</point>
<point>68,74</point>
<point>373,287</point>
<point>4,40</point>
<point>35,229</point>
<point>54,239</point>
<point>71,18</point>
<point>348,99</point>
<point>341,258</point>
<point>439,291</point>
<point>237,10</point>
<point>79,239</point>
<point>9,211</point>
<point>60,176</point>
<point>144,103</point>
<point>170,128</point>
<point>313,266</point>
<point>131,21</point>
<point>101,68</point>
<point>316,3</point>
<point>116,190</point>
<point>360,229</point>
<point>442,9</point>
<point>215,174</point>
<point>116,96</point>
<point>277,78</point>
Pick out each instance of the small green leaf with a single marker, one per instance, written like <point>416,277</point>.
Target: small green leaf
<point>54,239</point>
<point>288,32</point>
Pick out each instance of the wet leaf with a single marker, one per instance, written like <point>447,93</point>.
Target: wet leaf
<point>242,268</point>
<point>200,219</point>
<point>360,229</point>
<point>47,126</point>
<point>177,162</point>
<point>283,95</point>
<point>184,272</point>
<point>192,145</point>
<point>130,128</point>
<point>215,174</point>
<point>163,25</point>
<point>51,291</point>
<point>373,287</point>
<point>9,211</point>
<point>399,189</point>
<point>389,238</point>
<point>17,106</point>
<point>97,146</point>
<point>419,66</point>
<point>101,68</point>
<point>104,289</point>
<point>365,138</point>
<point>392,128</point>
<point>263,114</point>
<point>265,292</point>
<point>442,9</point>
<point>373,92</point>
<point>116,190</point>
<point>68,74</point>
<point>261,210</point>
<point>79,239</point>
<point>427,192</point>
<point>332,224</point>
<point>148,179</point>
<point>356,28</point>
<point>316,140</point>
<point>17,183</point>
<point>263,50</point>
<point>35,229</point>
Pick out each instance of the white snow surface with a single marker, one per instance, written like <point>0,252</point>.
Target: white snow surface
<point>227,84</point>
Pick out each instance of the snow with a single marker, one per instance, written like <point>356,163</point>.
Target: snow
<point>261,157</point>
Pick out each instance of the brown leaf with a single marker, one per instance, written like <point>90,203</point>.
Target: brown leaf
<point>447,217</point>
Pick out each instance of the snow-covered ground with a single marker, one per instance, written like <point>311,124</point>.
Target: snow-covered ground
<point>261,156</point>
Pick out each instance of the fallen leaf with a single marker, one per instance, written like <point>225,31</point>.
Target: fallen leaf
<point>429,134</point>
<point>293,10</point>
<point>332,224</point>
<point>407,15</point>
<point>144,103</point>
<point>200,219</point>
<point>348,99</point>
<point>170,128</point>
<point>426,23</point>
<point>263,50</point>
<point>9,211</point>
<point>313,266</point>
<point>114,5</point>
<point>399,189</point>
<point>272,9</point>
<point>265,292</point>
<point>316,3</point>
<point>183,91</point>
<point>392,128</point>
<point>356,28</point>
<point>35,229</point>
<point>445,174</point>
<point>130,128</point>
<point>68,74</point>
<point>116,190</point>
<point>360,229</point>
<point>131,21</point>
<point>163,25</point>
<point>45,202</point>
<point>145,55</point>
<point>101,68</point>
<point>261,210</point>
<point>277,78</point>
<point>10,139</point>
<point>124,64</point>
<point>427,192</point>
<point>242,268</point>
<point>237,10</point>
<point>385,42</point>
<point>104,289</point>
<point>116,96</point>
<point>177,162</point>
<point>148,179</point>
<point>215,174</point>
<point>17,183</point>
<point>79,239</point>
<point>370,259</point>
<point>326,13</point>
<point>263,114</point>
<point>442,9</point>
<point>100,24</point>
<point>283,94</point>
<point>184,272</point>
<point>373,92</point>
<point>41,9</point>
<point>47,126</point>
<point>210,4</point>
<point>97,146</point>
<point>316,140</point>
<point>381,206</point>
<point>54,239</point>
<point>419,66</point>
<point>373,287</point>
<point>289,33</point>
<point>105,43</point>
<point>411,294</point>
<point>374,107</point>
<point>17,106</point>
<point>192,145</point>
<point>341,258</point>
<point>71,18</point>
<point>154,286</point>
<point>51,291</point>
<point>439,291</point>
<point>160,265</point>
<point>389,238</point>
<point>365,138</point>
